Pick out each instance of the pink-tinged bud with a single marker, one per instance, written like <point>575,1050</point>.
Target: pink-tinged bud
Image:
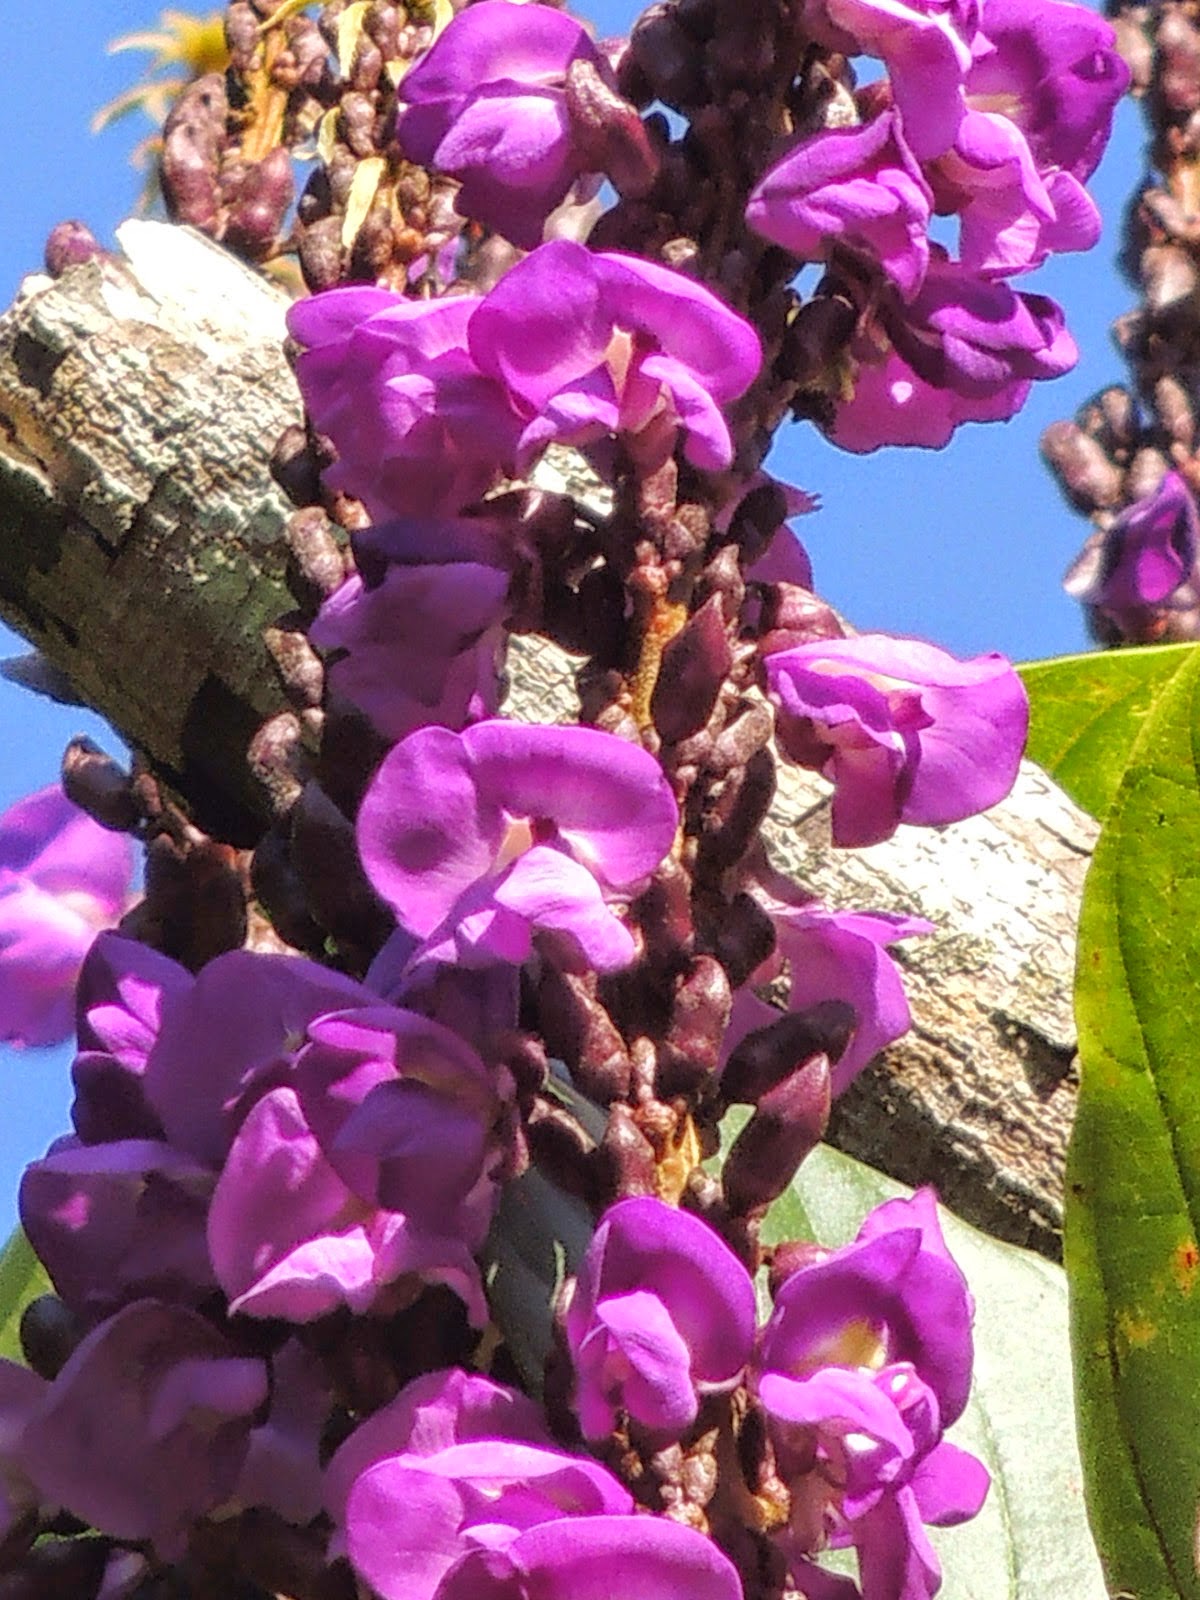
<point>193,139</point>
<point>1085,473</point>
<point>69,245</point>
<point>610,136</point>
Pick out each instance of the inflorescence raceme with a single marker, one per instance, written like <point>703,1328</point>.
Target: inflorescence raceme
<point>484,981</point>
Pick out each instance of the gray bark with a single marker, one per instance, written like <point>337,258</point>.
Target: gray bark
<point>142,554</point>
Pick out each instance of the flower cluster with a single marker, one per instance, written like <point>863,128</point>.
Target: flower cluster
<point>996,115</point>
<point>863,1364</point>
<point>419,1096</point>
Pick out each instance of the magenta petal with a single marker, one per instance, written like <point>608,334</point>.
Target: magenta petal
<point>429,1415</point>
<point>595,1558</point>
<point>285,1235</point>
<point>655,1261</point>
<point>634,1349</point>
<point>145,1428</point>
<point>257,1007</point>
<point>552,892</point>
<point>950,1486</point>
<point>857,187</point>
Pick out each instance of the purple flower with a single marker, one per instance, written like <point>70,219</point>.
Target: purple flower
<point>594,1558</point>
<point>865,1361</point>
<point>282,1469</point>
<point>118,1222</point>
<point>588,344</point>
<point>903,731</point>
<point>893,406</point>
<point>927,47</point>
<point>234,1030</point>
<point>488,104</point>
<point>455,1463</point>
<point>662,1312</point>
<point>1144,566</point>
<point>119,999</point>
<point>1012,215</point>
<point>482,838</point>
<point>1054,69</point>
<point>374,1170</point>
<point>966,349</point>
<point>62,879</point>
<point>146,1427</point>
<point>850,188</point>
<point>21,1392</point>
<point>419,430</point>
<point>421,624</point>
<point>832,955</point>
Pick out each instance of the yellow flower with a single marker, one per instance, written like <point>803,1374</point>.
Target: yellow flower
<point>186,46</point>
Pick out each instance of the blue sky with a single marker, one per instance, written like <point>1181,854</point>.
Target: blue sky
<point>964,546</point>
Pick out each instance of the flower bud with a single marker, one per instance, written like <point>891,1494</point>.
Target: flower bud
<point>768,1057</point>
<point>97,784</point>
<point>68,245</point>
<point>694,666</point>
<point>193,138</point>
<point>1085,474</point>
<point>789,1121</point>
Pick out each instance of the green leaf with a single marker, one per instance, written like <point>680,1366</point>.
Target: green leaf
<point>22,1279</point>
<point>1086,712</point>
<point>1031,1540</point>
<point>1133,1171</point>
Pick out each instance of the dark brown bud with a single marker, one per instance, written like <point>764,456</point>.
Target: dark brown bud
<point>789,1121</point>
<point>195,903</point>
<point>1168,275</point>
<point>299,665</point>
<point>770,1055</point>
<point>258,206</point>
<point>294,466</point>
<point>792,1256</point>
<point>665,58</point>
<point>321,254</point>
<point>626,1156</point>
<point>742,939</point>
<point>1146,472</point>
<point>791,615</point>
<point>1137,48</point>
<point>99,785</point>
<point>1173,402</point>
<point>733,826</point>
<point>277,759</point>
<point>325,854</point>
<point>281,893</point>
<point>818,338</point>
<point>580,1032</point>
<point>1178,60</point>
